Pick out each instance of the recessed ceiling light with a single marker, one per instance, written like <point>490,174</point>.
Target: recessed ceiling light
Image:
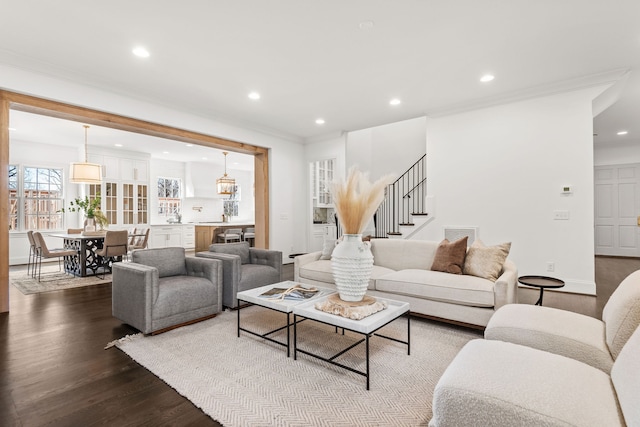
<point>12,129</point>
<point>254,95</point>
<point>118,145</point>
<point>366,25</point>
<point>486,78</point>
<point>165,152</point>
<point>319,121</point>
<point>189,145</point>
<point>623,132</point>
<point>204,158</point>
<point>141,52</point>
<point>394,101</point>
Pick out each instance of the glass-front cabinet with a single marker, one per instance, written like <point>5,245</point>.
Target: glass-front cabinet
<point>124,202</point>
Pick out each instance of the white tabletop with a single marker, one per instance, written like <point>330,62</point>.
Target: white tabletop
<point>367,325</point>
<point>283,305</point>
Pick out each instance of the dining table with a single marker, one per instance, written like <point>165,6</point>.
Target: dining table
<point>85,262</point>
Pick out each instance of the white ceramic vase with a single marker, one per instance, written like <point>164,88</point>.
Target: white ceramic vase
<point>89,224</point>
<point>352,263</point>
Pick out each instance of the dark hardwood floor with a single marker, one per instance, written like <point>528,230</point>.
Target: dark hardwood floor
<point>55,371</point>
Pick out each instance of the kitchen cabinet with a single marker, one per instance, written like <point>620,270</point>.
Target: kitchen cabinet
<point>124,190</point>
<point>189,236</point>
<point>163,236</point>
<point>205,233</point>
<point>134,170</point>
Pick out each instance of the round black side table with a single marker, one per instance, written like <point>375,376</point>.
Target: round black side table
<point>542,282</point>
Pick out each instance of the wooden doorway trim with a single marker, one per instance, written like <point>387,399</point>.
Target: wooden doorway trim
<point>32,104</point>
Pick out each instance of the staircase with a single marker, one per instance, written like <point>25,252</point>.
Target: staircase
<point>403,212</point>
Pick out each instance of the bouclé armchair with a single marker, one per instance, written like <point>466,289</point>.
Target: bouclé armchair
<point>162,288</point>
<point>244,268</point>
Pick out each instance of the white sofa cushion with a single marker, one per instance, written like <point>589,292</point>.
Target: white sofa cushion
<point>561,332</point>
<point>435,285</point>
<point>625,375</point>
<point>400,254</point>
<point>498,383</point>
<point>621,314</point>
<point>320,271</point>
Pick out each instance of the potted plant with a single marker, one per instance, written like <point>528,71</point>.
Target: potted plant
<point>91,209</point>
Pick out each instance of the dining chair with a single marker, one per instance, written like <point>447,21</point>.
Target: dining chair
<point>32,250</point>
<point>42,251</point>
<point>230,235</point>
<point>114,246</point>
<point>75,230</point>
<point>139,241</point>
<point>249,235</point>
<point>132,235</point>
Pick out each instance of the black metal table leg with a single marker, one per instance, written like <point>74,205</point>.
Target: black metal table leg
<point>539,302</point>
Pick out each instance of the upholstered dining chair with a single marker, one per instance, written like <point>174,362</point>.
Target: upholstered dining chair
<point>114,246</point>
<point>32,251</point>
<point>139,241</point>
<point>42,251</point>
<point>230,235</point>
<point>74,230</point>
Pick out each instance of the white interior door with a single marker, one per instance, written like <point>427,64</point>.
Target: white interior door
<point>617,210</point>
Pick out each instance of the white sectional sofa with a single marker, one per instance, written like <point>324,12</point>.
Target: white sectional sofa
<point>402,271</point>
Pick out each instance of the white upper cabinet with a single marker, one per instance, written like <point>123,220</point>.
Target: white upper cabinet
<point>134,170</point>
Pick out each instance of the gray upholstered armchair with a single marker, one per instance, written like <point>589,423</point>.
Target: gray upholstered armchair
<point>244,268</point>
<point>162,289</point>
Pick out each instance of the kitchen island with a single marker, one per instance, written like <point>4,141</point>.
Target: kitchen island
<point>206,232</point>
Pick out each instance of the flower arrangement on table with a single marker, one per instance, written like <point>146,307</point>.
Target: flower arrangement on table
<point>91,209</point>
<point>357,199</point>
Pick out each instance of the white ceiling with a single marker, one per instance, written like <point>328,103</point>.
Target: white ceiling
<point>339,60</point>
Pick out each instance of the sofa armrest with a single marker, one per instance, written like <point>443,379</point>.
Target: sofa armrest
<point>506,287</point>
<point>208,268</point>
<point>301,260</point>
<point>267,257</point>
<point>134,291</point>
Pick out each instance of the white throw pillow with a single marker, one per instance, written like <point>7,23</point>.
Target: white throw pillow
<point>327,248</point>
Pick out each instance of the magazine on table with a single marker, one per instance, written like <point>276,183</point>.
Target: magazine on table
<point>295,293</point>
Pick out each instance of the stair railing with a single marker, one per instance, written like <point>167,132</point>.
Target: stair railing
<point>404,197</point>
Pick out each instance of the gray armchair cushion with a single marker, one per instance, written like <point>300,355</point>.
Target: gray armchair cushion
<point>168,261</point>
<point>241,249</point>
<point>264,268</point>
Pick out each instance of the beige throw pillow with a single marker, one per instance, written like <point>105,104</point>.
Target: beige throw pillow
<point>450,256</point>
<point>486,261</point>
<point>327,248</point>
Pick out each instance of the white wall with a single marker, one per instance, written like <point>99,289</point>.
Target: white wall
<point>618,154</point>
<point>391,148</point>
<point>286,168</point>
<point>502,169</point>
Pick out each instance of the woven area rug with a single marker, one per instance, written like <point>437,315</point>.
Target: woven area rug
<point>51,279</point>
<point>248,381</point>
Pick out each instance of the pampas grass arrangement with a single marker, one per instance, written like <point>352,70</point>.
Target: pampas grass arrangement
<point>356,199</point>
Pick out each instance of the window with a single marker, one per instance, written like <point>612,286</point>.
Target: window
<point>169,196</point>
<point>13,197</point>
<point>35,198</point>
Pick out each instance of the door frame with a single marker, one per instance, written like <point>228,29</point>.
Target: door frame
<point>33,104</point>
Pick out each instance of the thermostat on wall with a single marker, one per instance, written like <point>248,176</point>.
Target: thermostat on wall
<point>566,189</point>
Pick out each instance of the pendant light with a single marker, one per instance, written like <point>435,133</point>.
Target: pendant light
<point>225,184</point>
<point>86,173</point>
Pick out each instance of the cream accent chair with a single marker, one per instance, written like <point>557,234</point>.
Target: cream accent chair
<point>496,383</point>
<point>589,340</point>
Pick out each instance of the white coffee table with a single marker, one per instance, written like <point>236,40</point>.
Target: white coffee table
<point>252,296</point>
<point>367,327</point>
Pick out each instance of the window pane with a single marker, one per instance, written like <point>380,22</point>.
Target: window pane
<point>42,199</point>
